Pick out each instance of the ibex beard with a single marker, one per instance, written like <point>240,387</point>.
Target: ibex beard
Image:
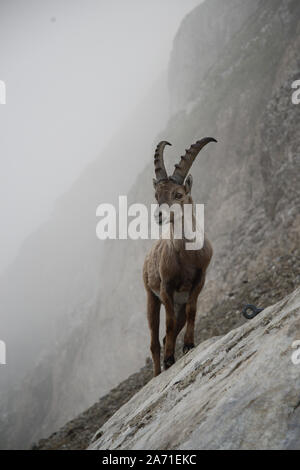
<point>174,276</point>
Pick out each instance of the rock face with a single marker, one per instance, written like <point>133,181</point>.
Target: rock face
<point>202,37</point>
<point>239,391</point>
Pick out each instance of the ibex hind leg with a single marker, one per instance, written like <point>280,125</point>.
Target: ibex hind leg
<point>153,312</point>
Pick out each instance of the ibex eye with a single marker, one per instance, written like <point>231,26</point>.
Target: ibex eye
<point>178,195</point>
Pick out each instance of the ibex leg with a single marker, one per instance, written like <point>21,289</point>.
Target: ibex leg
<point>191,310</point>
<point>180,321</point>
<point>153,309</point>
<point>166,296</point>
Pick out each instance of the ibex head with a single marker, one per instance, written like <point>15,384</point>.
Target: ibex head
<point>175,189</point>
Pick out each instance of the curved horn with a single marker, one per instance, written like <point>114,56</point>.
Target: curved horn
<point>182,168</point>
<point>159,166</point>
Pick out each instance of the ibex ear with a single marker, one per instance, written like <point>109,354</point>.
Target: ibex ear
<point>188,184</point>
<point>154,183</point>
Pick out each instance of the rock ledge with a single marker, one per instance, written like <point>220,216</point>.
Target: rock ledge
<point>239,391</point>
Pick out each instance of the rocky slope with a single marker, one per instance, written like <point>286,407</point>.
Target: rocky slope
<point>240,391</point>
<point>281,278</point>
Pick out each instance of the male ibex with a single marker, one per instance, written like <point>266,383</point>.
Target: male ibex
<point>173,275</point>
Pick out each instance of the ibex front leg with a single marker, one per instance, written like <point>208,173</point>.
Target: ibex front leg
<point>191,310</point>
<point>167,298</point>
<point>153,310</point>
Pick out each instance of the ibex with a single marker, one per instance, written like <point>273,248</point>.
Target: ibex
<point>173,275</point>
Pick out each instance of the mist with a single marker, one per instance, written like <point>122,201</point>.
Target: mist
<point>74,72</point>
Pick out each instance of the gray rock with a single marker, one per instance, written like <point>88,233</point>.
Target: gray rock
<point>239,391</point>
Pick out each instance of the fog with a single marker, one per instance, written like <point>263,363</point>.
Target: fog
<point>74,71</point>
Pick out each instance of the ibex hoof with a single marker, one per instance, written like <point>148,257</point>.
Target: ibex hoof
<point>169,362</point>
<point>187,347</point>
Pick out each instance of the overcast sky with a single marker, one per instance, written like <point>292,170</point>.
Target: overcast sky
<point>74,71</point>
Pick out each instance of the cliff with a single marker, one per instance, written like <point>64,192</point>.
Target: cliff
<point>199,44</point>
